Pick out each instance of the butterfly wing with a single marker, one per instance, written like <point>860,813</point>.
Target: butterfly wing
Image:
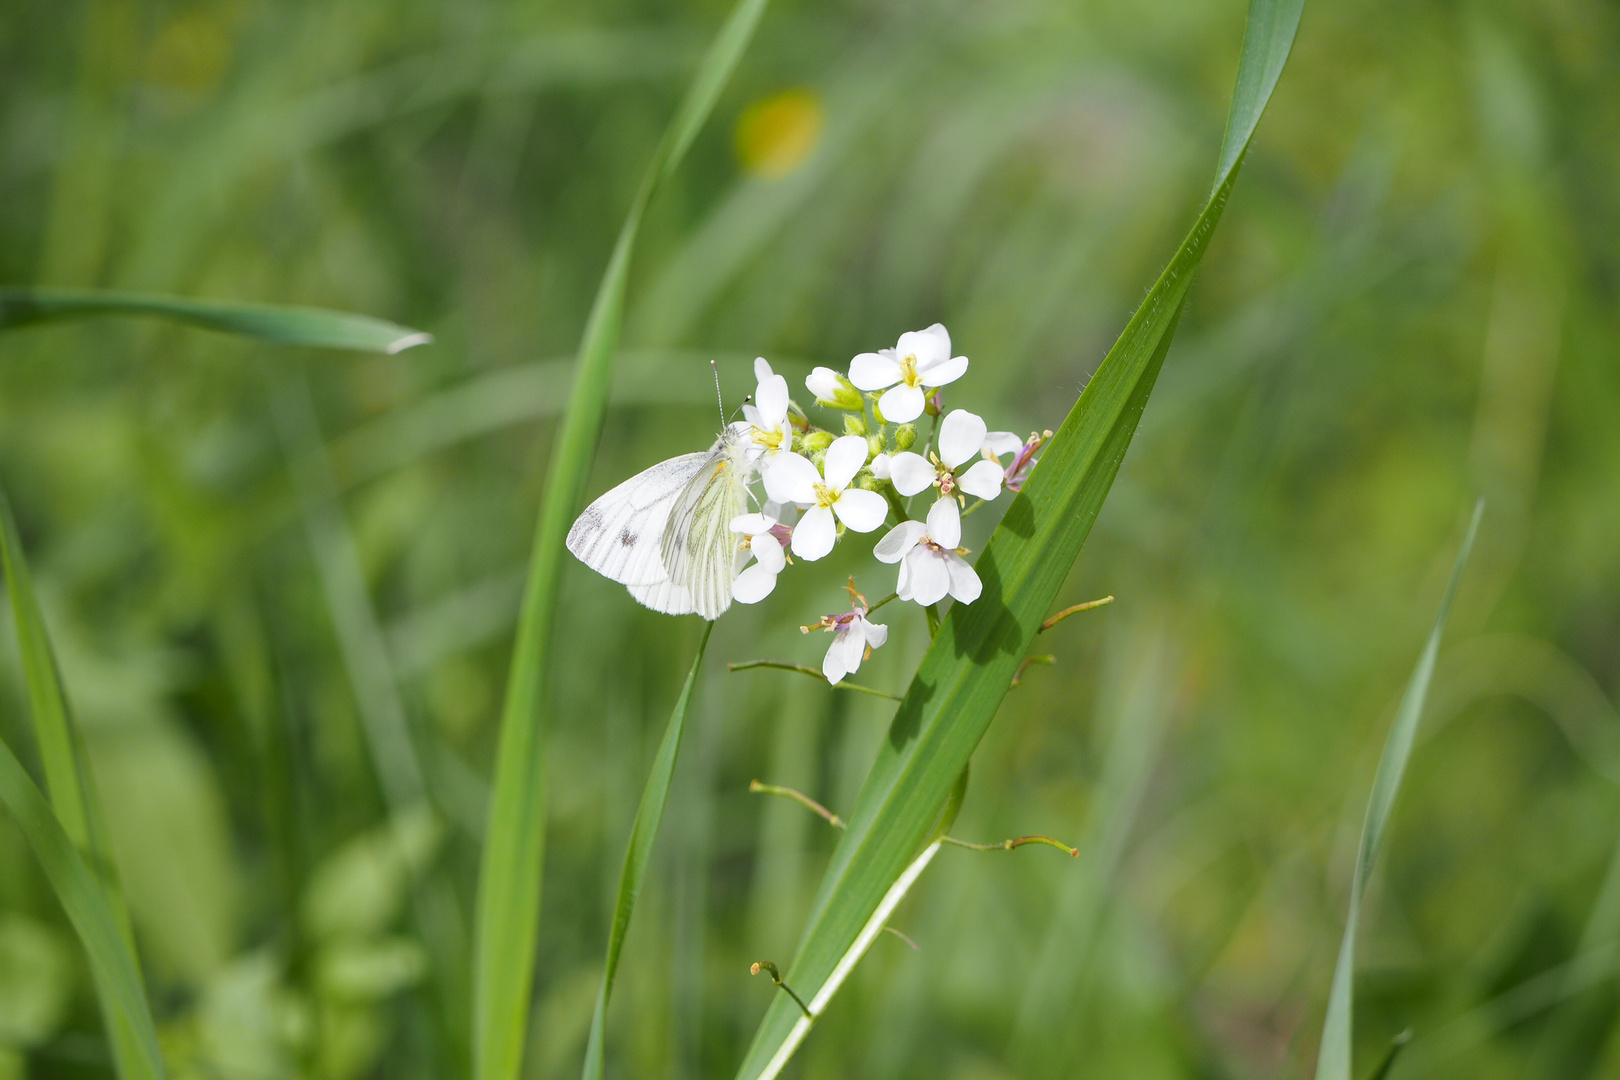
<point>699,549</point>
<point>619,535</point>
<point>664,596</point>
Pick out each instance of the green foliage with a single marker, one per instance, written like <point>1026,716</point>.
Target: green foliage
<point>1409,302</point>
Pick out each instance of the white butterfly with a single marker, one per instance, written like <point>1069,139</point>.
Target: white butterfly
<point>666,532</point>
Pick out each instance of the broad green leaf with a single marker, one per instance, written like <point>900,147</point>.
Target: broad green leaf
<point>1333,1057</point>
<point>316,327</point>
<point>514,847</point>
<point>971,662</point>
<point>72,796</point>
<point>85,901</point>
<point>649,815</point>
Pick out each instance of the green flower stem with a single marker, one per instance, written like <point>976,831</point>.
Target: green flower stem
<point>806,669</point>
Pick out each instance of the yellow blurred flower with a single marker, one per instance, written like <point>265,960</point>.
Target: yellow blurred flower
<point>777,134</point>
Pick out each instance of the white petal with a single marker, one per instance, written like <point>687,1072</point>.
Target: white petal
<point>792,478</point>
<point>753,584</point>
<point>874,371</point>
<point>945,523</point>
<point>834,666</point>
<point>823,382</point>
<point>762,369</point>
<point>876,634</point>
<point>961,437</point>
<point>880,466</point>
<point>902,584</point>
<point>844,459</point>
<point>929,346</point>
<point>902,404</point>
<point>946,371</point>
<point>854,643</point>
<point>983,480</point>
<point>1001,443</point>
<point>911,473</point>
<point>815,534</point>
<point>768,552</point>
<point>753,416</point>
<point>861,510</point>
<point>930,581</point>
<point>900,539</point>
<point>965,584</point>
<point>751,524</point>
<point>772,397</point>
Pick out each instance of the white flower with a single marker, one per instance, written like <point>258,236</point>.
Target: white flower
<point>961,437</point>
<point>762,539</point>
<point>854,637</point>
<point>931,565</point>
<point>880,466</point>
<point>768,426</point>
<point>794,479</point>
<point>920,361</point>
<point>833,390</point>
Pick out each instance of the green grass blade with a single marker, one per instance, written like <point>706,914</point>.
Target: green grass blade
<point>85,901</point>
<point>46,700</point>
<point>649,815</point>
<point>72,795</point>
<point>970,664</point>
<point>316,327</point>
<point>1333,1058</point>
<point>509,874</point>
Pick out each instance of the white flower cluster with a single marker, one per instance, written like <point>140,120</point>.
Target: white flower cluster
<point>820,486</point>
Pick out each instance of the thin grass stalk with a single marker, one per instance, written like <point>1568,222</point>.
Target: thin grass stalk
<point>1333,1057</point>
<point>383,719</point>
<point>649,816</point>
<point>85,899</point>
<point>507,926</point>
<point>67,776</point>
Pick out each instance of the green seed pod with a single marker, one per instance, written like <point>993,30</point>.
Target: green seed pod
<point>877,414</point>
<point>854,424</point>
<point>905,436</point>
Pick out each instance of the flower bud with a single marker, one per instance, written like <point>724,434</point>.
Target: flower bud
<point>905,436</point>
<point>935,403</point>
<point>817,441</point>
<point>867,482</point>
<point>796,417</point>
<point>833,389</point>
<point>877,413</point>
<point>854,424</point>
<point>874,447</point>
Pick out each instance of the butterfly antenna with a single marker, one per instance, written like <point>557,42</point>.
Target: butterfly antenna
<point>719,399</point>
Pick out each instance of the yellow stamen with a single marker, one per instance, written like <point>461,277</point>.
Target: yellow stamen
<point>908,370</point>
<point>825,496</point>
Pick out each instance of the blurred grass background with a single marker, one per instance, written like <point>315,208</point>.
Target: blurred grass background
<point>1415,297</point>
